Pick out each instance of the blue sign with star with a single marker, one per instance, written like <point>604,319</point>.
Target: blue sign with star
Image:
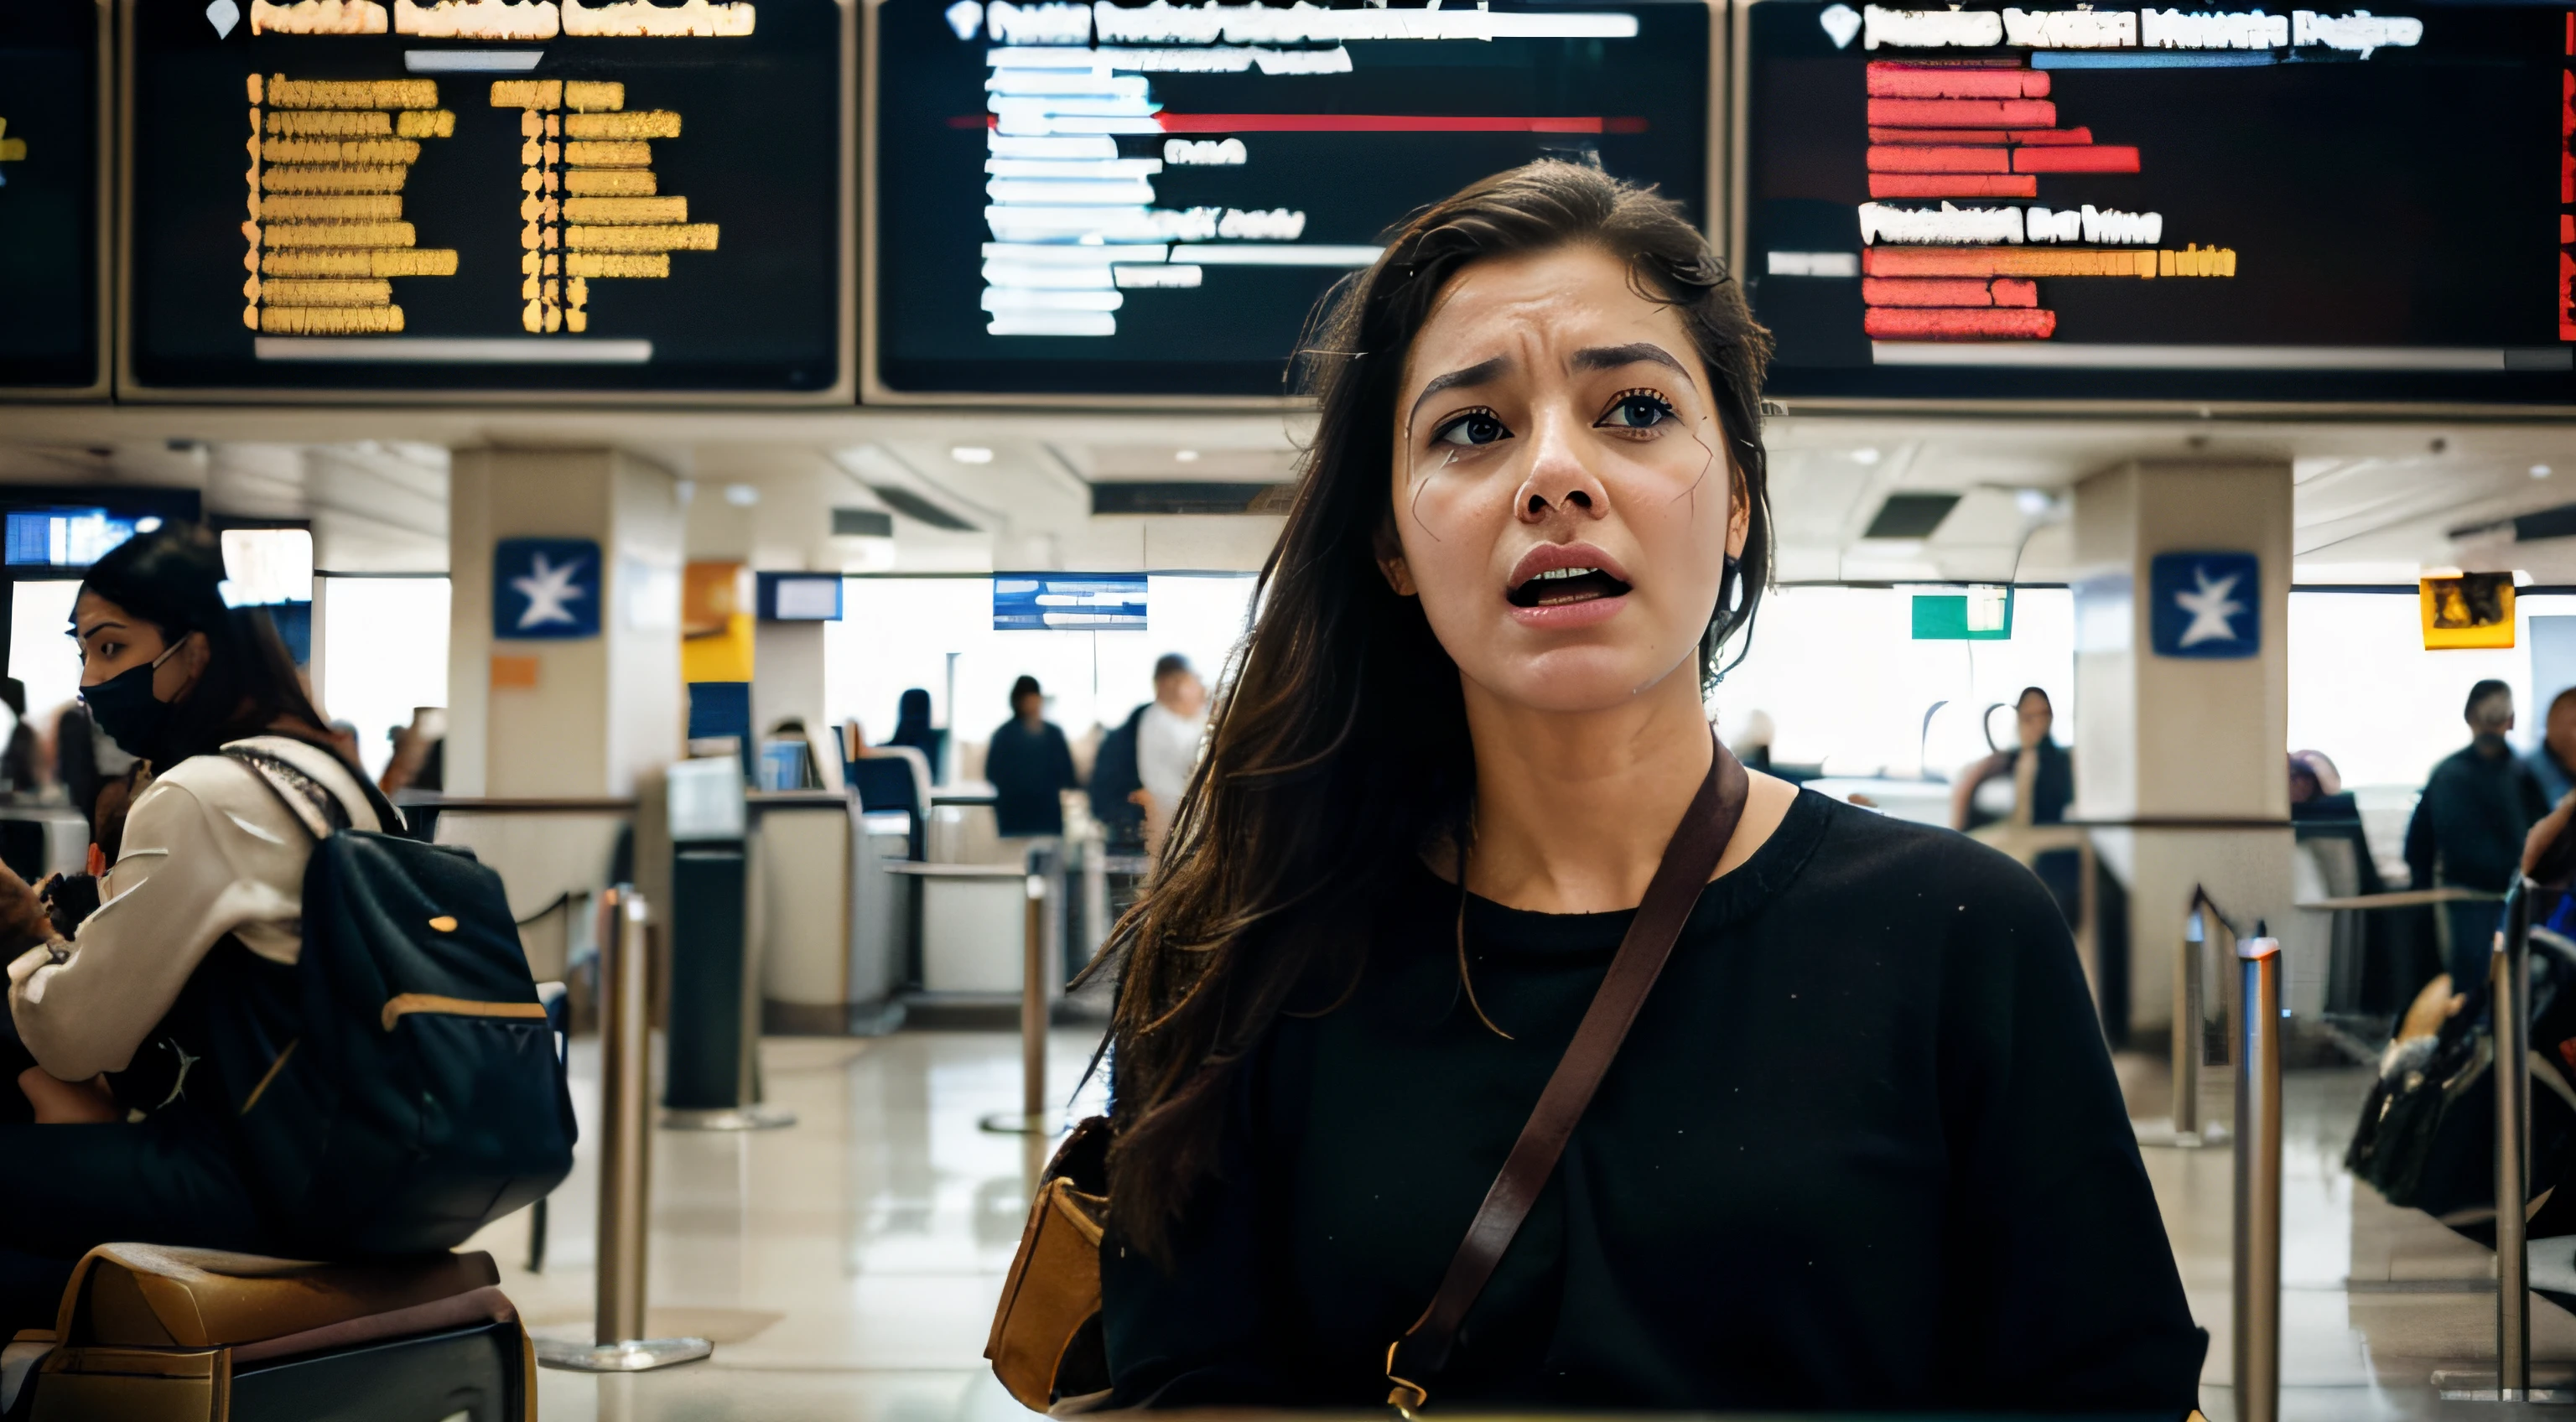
<point>545,589</point>
<point>2206,604</point>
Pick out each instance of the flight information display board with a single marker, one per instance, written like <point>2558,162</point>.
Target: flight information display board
<point>2133,203</point>
<point>496,198</point>
<point>1148,200</point>
<point>52,336</point>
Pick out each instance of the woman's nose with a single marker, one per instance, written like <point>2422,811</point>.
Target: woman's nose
<point>1560,484</point>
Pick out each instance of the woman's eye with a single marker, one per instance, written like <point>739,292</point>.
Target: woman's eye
<point>1637,410</point>
<point>1475,427</point>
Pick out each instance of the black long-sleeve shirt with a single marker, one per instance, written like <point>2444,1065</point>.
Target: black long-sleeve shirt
<point>1863,1149</point>
<point>1027,769</point>
<point>2469,827</point>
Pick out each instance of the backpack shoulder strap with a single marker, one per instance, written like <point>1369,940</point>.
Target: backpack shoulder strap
<point>309,801</point>
<point>1689,859</point>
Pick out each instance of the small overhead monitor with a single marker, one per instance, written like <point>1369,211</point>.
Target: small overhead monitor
<point>1069,602</point>
<point>54,531</point>
<point>800,597</point>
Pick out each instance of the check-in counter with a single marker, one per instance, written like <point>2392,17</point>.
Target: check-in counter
<point>831,923</point>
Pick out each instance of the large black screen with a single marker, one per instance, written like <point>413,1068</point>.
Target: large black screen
<point>530,197</point>
<point>49,176</point>
<point>1148,200</point>
<point>2339,205</point>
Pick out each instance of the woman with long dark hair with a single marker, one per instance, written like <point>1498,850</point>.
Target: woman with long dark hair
<point>1861,1148</point>
<point>128,1139</point>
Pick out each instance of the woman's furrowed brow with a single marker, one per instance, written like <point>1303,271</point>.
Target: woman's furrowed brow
<point>1613,357</point>
<point>1477,374</point>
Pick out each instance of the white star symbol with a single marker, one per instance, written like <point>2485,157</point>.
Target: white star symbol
<point>547,588</point>
<point>2210,609</point>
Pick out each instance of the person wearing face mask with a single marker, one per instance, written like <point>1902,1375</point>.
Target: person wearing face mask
<point>203,900</point>
<point>1755,1100</point>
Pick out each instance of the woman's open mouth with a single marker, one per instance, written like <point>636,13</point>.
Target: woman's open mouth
<point>1562,586</point>
<point>1559,587</point>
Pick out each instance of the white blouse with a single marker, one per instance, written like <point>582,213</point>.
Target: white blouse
<point>209,849</point>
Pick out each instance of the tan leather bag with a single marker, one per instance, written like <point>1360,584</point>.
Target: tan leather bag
<point>1045,1343</point>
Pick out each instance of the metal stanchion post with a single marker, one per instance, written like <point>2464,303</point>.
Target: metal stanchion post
<point>2186,1027</point>
<point>2509,970</point>
<point>2188,1130</point>
<point>2258,1181</point>
<point>625,1158</point>
<point>2509,1015</point>
<point>1033,1117</point>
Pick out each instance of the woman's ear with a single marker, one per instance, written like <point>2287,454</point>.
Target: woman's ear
<point>1739,511</point>
<point>1398,576</point>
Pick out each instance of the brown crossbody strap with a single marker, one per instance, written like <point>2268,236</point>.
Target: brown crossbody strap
<point>1697,844</point>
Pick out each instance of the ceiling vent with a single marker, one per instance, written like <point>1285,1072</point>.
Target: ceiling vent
<point>1911,515</point>
<point>862,523</point>
<point>914,506</point>
<point>1179,496</point>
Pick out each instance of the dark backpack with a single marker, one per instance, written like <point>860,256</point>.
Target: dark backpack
<point>420,1095</point>
<point>1113,778</point>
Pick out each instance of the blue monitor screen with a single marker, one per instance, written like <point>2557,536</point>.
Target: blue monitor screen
<point>69,537</point>
<point>1069,602</point>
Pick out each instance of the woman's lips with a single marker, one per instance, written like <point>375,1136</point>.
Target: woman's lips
<point>1567,616</point>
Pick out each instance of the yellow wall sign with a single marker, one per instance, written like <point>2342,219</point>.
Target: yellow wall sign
<point>2467,610</point>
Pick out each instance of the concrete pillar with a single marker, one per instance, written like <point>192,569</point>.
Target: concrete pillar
<point>582,717</point>
<point>2193,739</point>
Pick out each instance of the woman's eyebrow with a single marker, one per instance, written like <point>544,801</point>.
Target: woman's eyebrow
<point>1477,374</point>
<point>1613,357</point>
<point>96,628</point>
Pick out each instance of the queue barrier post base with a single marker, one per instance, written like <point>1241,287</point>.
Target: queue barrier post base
<point>637,1355</point>
<point>730,1118</point>
<point>1012,1123</point>
<point>2160,1135</point>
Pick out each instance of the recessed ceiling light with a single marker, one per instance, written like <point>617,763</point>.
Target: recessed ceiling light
<point>742,496</point>
<point>971,454</point>
<point>2540,471</point>
<point>2031,502</point>
<point>1864,456</point>
<point>1186,456</point>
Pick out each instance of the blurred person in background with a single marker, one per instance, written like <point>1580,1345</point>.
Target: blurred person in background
<point>20,761</point>
<point>2469,827</point>
<point>2038,773</point>
<point>912,728</point>
<point>1167,744</point>
<point>2316,789</point>
<point>1116,788</point>
<point>86,762</point>
<point>1030,765</point>
<point>419,761</point>
<point>2553,761</point>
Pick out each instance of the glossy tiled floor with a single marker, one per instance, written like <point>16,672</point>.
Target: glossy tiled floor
<point>847,1266</point>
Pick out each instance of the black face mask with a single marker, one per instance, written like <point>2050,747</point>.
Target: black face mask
<point>125,708</point>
